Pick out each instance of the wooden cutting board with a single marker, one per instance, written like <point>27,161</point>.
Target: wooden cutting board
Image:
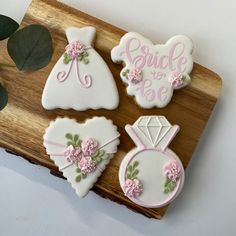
<point>23,121</point>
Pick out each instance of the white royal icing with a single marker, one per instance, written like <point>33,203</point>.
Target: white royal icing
<point>152,72</point>
<point>70,93</point>
<point>152,135</point>
<point>55,142</point>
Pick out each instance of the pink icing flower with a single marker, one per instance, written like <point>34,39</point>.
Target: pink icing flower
<point>172,171</point>
<point>75,49</point>
<point>89,146</point>
<point>135,75</point>
<point>73,154</point>
<point>87,165</point>
<point>176,79</point>
<point>133,188</point>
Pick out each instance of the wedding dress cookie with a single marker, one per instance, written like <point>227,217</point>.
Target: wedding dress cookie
<point>81,151</point>
<point>151,175</point>
<point>152,72</point>
<point>80,79</point>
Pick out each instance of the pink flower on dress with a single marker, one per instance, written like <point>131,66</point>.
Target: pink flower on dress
<point>75,49</point>
<point>135,76</point>
<point>133,188</point>
<point>87,165</point>
<point>89,146</point>
<point>172,171</point>
<point>73,154</point>
<point>176,79</point>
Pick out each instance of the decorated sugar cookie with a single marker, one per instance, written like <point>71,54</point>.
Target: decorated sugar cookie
<point>81,150</point>
<point>151,175</point>
<point>80,79</point>
<point>152,72</point>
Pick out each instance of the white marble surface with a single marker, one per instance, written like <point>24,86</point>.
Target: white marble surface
<point>32,202</point>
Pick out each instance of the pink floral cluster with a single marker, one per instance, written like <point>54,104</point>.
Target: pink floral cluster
<point>176,79</point>
<point>75,49</point>
<point>172,171</point>
<point>135,75</point>
<point>82,155</point>
<point>133,188</point>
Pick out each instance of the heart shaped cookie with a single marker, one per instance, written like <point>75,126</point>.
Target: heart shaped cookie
<point>81,150</point>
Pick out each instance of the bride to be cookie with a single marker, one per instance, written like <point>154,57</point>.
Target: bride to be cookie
<point>152,72</point>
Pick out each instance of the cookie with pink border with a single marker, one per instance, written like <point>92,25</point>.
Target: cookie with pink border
<point>80,79</point>
<point>151,175</point>
<point>81,150</point>
<point>152,72</point>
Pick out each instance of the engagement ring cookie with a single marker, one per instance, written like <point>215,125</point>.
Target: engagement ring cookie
<point>152,72</point>
<point>80,79</point>
<point>81,151</point>
<point>151,175</point>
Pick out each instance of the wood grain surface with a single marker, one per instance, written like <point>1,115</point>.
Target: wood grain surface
<point>23,121</point>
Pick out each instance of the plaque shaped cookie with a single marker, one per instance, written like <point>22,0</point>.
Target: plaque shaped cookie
<point>152,72</point>
<point>81,150</point>
<point>151,175</point>
<point>80,79</point>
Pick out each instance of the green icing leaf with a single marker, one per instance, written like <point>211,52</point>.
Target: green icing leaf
<point>134,174</point>
<point>66,59</point>
<point>105,156</point>
<point>85,60</point>
<point>3,97</point>
<point>101,152</point>
<point>128,176</point>
<point>169,186</point>
<point>31,47</point>
<point>95,154</point>
<point>76,138</point>
<point>69,143</point>
<point>84,175</point>
<point>78,178</point>
<point>135,164</point>
<point>69,136</point>
<point>78,170</point>
<point>7,27</point>
<point>130,168</point>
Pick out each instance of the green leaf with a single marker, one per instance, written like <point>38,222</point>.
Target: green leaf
<point>84,175</point>
<point>95,154</point>
<point>128,176</point>
<point>7,27</point>
<point>85,60</point>
<point>78,178</point>
<point>101,152</point>
<point>3,97</point>
<point>105,156</point>
<point>31,47</point>
<point>172,185</point>
<point>130,168</point>
<point>66,59</point>
<point>85,54</point>
<point>70,143</point>
<point>166,190</point>
<point>76,137</point>
<point>98,159</point>
<point>69,136</point>
<point>135,164</point>
<point>134,174</point>
<point>78,170</point>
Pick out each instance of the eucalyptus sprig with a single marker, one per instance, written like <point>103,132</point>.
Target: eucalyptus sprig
<point>30,48</point>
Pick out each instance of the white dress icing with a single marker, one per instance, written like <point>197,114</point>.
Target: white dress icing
<point>71,93</point>
<point>55,142</point>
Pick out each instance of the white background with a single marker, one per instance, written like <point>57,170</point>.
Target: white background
<point>32,202</point>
